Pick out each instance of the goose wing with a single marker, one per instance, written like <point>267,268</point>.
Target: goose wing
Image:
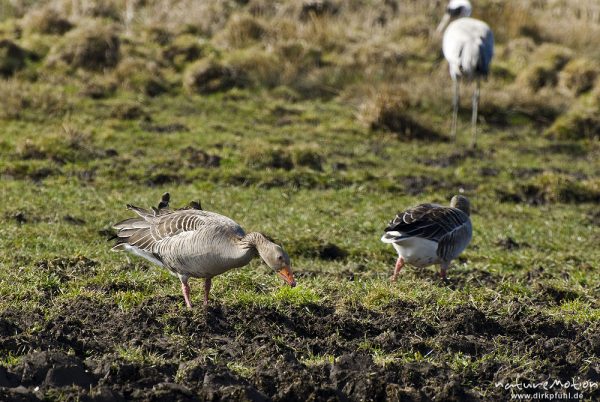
<point>428,221</point>
<point>150,229</point>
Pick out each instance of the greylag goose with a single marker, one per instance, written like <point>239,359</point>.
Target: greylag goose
<point>430,234</point>
<point>468,46</point>
<point>191,242</point>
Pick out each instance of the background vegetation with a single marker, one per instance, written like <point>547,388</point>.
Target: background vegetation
<point>314,122</point>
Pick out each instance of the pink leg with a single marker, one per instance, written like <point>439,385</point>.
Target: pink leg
<point>185,288</point>
<point>443,268</point>
<point>207,283</point>
<point>397,268</point>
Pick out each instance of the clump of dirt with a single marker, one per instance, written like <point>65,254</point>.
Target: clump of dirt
<point>318,8</point>
<point>209,75</point>
<point>67,268</point>
<point>164,128</point>
<point>198,158</point>
<point>558,295</point>
<point>311,247</point>
<point>264,156</point>
<point>594,218</point>
<point>391,110</point>
<point>455,158</point>
<point>73,220</point>
<point>66,145</point>
<point>164,350</point>
<point>12,58</point>
<point>128,111</point>
<point>307,157</point>
<point>331,251</point>
<point>159,178</point>
<point>184,49</point>
<point>510,244</point>
<point>22,171</point>
<point>551,187</point>
<point>20,217</point>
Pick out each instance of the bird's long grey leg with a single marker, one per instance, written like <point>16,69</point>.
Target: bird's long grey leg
<point>443,269</point>
<point>397,268</point>
<point>474,117</point>
<point>455,104</point>
<point>207,284</point>
<point>185,289</point>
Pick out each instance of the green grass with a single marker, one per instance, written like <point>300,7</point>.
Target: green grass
<point>298,163</point>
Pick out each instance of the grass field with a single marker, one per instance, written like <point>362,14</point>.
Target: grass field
<point>314,126</point>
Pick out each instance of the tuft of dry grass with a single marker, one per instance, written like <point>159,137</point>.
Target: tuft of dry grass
<point>389,110</point>
<point>544,67</point>
<point>550,187</point>
<point>579,75</point>
<point>260,155</point>
<point>93,46</point>
<point>242,30</point>
<point>209,75</point>
<point>581,121</point>
<point>139,75</point>
<point>46,20</point>
<point>184,49</point>
<point>19,100</point>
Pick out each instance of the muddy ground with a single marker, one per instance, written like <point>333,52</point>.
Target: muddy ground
<point>74,354</point>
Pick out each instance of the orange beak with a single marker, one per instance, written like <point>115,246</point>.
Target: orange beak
<point>286,274</point>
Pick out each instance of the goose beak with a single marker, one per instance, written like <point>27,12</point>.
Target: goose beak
<point>443,23</point>
<point>286,274</point>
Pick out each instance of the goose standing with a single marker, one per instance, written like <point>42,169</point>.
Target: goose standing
<point>430,234</point>
<point>191,242</point>
<point>468,46</point>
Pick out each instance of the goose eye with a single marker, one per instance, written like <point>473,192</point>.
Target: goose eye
<point>280,258</point>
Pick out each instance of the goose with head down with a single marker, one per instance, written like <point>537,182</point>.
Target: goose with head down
<point>191,242</point>
<point>430,234</point>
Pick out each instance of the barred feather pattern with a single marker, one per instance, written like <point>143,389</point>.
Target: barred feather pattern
<point>187,241</point>
<point>449,227</point>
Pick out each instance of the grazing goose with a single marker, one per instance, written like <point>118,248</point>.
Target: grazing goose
<point>194,243</point>
<point>430,234</point>
<point>468,46</point>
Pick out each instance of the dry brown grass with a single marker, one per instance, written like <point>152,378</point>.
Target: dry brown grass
<point>23,100</point>
<point>579,75</point>
<point>92,46</point>
<point>209,75</point>
<point>46,20</point>
<point>142,76</point>
<point>544,67</point>
<point>389,110</point>
<point>327,48</point>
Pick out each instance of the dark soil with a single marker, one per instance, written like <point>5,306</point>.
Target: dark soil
<point>75,352</point>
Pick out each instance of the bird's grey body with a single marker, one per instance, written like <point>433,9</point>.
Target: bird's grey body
<point>430,234</point>
<point>192,243</point>
<point>468,46</point>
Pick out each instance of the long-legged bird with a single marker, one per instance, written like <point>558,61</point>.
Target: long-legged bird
<point>468,46</point>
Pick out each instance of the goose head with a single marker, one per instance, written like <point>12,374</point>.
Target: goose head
<point>276,258</point>
<point>462,203</point>
<point>455,9</point>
